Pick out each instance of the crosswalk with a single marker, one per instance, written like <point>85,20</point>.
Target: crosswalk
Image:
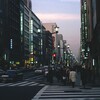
<point>23,83</point>
<point>67,93</point>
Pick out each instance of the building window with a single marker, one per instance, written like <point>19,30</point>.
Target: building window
<point>31,26</point>
<point>21,24</point>
<point>31,37</point>
<point>85,5</point>
<point>11,43</point>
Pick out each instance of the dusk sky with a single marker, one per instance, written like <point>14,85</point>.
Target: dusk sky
<point>66,14</point>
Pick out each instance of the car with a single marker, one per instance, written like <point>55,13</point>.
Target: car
<point>39,70</point>
<point>46,71</point>
<point>2,72</point>
<point>12,75</point>
<point>45,66</point>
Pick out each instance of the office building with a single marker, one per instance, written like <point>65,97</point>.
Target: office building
<point>19,36</point>
<point>10,30</point>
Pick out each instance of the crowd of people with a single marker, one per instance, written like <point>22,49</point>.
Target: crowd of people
<point>67,75</point>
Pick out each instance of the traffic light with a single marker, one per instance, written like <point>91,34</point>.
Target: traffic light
<point>54,55</point>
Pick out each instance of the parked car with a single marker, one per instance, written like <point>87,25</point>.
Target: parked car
<point>12,75</point>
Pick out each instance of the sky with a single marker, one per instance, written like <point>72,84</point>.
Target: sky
<point>66,14</point>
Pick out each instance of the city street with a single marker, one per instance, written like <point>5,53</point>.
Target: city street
<point>67,93</point>
<point>49,49</point>
<point>37,88</point>
<point>18,93</point>
<point>21,90</point>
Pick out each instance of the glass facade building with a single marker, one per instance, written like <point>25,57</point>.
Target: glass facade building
<point>20,41</point>
<point>10,30</point>
<point>84,31</point>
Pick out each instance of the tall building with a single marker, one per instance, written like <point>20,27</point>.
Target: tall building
<point>60,47</point>
<point>47,57</point>
<point>37,31</point>
<point>53,28</point>
<point>10,30</point>
<point>85,32</point>
<point>28,3</point>
<point>90,37</point>
<point>20,41</point>
<point>95,42</point>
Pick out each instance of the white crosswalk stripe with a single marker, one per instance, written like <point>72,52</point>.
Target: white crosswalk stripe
<point>5,84</point>
<point>33,84</point>
<point>67,93</point>
<point>18,83</point>
<point>28,83</point>
<point>24,83</point>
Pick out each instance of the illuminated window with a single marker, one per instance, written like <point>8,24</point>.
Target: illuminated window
<point>31,26</point>
<point>31,48</point>
<point>21,23</point>
<point>85,5</point>
<point>31,37</point>
<point>11,43</point>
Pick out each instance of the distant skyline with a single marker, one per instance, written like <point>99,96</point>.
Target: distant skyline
<point>66,14</point>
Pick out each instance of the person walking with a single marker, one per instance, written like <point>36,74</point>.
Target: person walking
<point>50,75</point>
<point>64,76</point>
<point>72,77</point>
<point>84,76</point>
<point>67,76</point>
<point>58,74</point>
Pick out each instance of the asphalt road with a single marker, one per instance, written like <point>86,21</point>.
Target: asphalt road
<point>18,93</point>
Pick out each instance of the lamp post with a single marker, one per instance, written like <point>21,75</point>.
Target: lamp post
<point>40,46</point>
<point>56,29</point>
<point>68,55</point>
<point>60,54</point>
<point>54,35</point>
<point>65,58</point>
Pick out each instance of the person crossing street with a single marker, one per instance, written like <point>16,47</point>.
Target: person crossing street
<point>72,77</point>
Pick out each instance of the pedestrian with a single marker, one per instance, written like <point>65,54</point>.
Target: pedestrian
<point>67,76</point>
<point>83,76</point>
<point>50,75</point>
<point>72,77</point>
<point>58,74</point>
<point>64,76</point>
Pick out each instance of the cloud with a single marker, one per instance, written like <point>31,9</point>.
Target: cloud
<point>70,0</point>
<point>57,16</point>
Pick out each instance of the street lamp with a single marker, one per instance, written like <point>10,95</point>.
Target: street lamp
<point>60,53</point>
<point>56,29</point>
<point>68,55</point>
<point>68,46</point>
<point>39,30</point>
<point>58,46</point>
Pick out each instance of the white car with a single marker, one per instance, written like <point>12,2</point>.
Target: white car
<point>39,71</point>
<point>46,72</point>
